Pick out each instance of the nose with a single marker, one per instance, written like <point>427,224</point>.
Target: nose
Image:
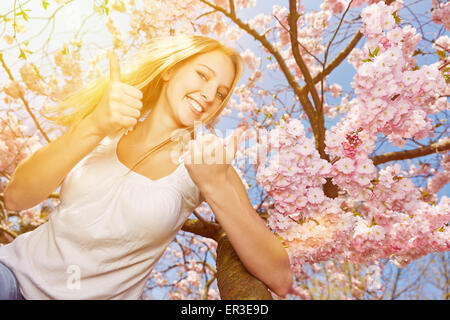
<point>208,93</point>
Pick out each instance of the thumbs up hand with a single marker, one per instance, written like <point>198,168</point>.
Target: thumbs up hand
<point>120,106</point>
<point>209,157</point>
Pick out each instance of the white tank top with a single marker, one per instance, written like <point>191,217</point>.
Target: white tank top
<point>108,231</point>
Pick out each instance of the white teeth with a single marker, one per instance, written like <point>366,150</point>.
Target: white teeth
<point>195,105</point>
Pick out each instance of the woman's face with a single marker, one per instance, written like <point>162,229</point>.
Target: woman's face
<point>202,81</point>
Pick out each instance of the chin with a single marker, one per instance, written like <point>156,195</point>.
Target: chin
<point>187,121</point>
<point>188,118</point>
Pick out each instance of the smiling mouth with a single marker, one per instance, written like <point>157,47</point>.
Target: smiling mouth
<point>194,105</point>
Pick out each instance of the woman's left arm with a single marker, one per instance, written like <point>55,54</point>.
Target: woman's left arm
<point>258,248</point>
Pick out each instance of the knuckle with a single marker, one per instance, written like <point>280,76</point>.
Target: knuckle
<point>113,121</point>
<point>132,90</point>
<point>115,85</point>
<point>137,103</point>
<point>139,93</point>
<point>114,118</point>
<point>114,107</point>
<point>114,96</point>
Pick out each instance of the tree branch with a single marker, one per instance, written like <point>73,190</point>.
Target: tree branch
<point>441,146</point>
<point>343,54</point>
<point>339,58</point>
<point>199,228</point>
<point>233,279</point>
<point>293,17</point>
<point>25,102</point>
<point>298,42</point>
<point>232,9</point>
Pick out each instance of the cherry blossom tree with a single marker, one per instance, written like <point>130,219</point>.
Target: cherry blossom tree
<point>348,174</point>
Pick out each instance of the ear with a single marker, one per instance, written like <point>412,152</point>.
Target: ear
<point>167,74</point>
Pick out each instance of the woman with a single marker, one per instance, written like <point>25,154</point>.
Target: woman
<point>120,208</point>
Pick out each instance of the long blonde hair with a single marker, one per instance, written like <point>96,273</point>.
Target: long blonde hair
<point>144,70</point>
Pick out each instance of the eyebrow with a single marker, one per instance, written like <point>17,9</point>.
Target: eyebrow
<point>213,73</point>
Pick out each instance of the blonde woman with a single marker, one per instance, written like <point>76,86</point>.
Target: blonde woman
<point>123,197</point>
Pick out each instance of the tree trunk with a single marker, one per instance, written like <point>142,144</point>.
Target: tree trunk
<point>233,279</point>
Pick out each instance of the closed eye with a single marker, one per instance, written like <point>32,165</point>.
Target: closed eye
<point>202,75</point>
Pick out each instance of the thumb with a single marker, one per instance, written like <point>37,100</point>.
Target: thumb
<point>114,66</point>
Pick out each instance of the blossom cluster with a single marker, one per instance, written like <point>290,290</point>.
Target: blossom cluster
<point>393,98</point>
<point>440,13</point>
<point>441,178</point>
<point>296,155</point>
<point>342,281</point>
<point>393,95</point>
<point>310,224</point>
<point>393,220</point>
<point>352,169</point>
<point>382,217</point>
<point>14,145</point>
<point>118,40</point>
<point>376,213</point>
<point>187,256</point>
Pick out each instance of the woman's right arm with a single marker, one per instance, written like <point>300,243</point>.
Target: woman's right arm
<point>41,173</point>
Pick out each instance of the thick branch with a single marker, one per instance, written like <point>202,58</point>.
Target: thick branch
<point>232,9</point>
<point>209,230</point>
<point>293,17</point>
<point>233,280</point>
<point>441,146</point>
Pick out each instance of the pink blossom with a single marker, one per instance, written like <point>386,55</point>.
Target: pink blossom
<point>250,59</point>
<point>365,166</point>
<point>345,165</point>
<point>305,148</point>
<point>259,21</point>
<point>441,13</point>
<point>336,90</point>
<point>332,139</point>
<point>395,35</point>
<point>443,42</point>
<point>295,128</point>
<point>315,195</point>
<point>336,6</point>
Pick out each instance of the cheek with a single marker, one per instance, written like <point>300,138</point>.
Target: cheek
<point>187,83</point>
<point>174,95</point>
<point>213,112</point>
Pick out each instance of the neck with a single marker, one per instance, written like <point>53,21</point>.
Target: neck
<point>156,127</point>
